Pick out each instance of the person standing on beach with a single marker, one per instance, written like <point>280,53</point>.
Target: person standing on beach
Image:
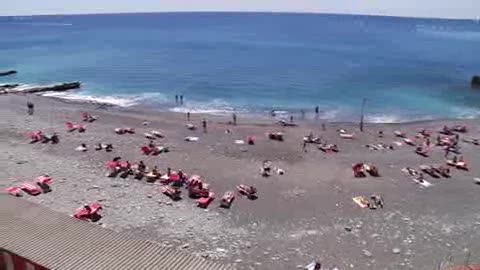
<point>176,99</point>
<point>317,110</point>
<point>204,125</point>
<point>291,118</point>
<point>234,116</point>
<point>302,112</point>
<point>30,108</point>
<point>181,99</point>
<point>188,116</point>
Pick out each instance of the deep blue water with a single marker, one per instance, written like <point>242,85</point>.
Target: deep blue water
<point>408,69</point>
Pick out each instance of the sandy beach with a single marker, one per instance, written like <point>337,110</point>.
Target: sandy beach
<point>305,214</point>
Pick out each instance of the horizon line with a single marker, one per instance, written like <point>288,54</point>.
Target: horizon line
<point>245,12</point>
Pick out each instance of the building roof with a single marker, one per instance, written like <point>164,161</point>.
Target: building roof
<point>57,241</point>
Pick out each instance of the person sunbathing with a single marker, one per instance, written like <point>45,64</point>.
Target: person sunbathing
<point>54,139</point>
<point>99,147</point>
<point>141,166</point>
<point>109,147</point>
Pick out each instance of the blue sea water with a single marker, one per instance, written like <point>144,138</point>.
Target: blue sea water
<point>408,69</point>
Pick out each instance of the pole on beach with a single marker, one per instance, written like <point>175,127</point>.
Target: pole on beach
<point>362,111</point>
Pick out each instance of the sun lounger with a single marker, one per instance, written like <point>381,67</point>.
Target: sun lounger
<point>276,136</point>
<point>409,141</point>
<point>152,177</point>
<point>149,136</point>
<point>422,151</point>
<point>14,191</point>
<point>442,170</point>
<point>472,141</point>
<point>89,212</point>
<point>347,136</point>
<point>172,192</point>
<point>361,201</point>
<point>328,148</point>
<point>249,191</point>
<point>371,169</point>
<point>156,134</point>
<point>313,266</point>
<point>86,117</point>
<point>284,123</point>
<point>359,170</point>
<point>430,171</point>
<point>30,188</point>
<point>462,165</point>
<point>400,134</point>
<point>191,139</point>
<point>227,199</point>
<point>459,128</point>
<point>204,202</point>
<point>190,127</point>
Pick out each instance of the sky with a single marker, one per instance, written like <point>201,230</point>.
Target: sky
<point>469,9</point>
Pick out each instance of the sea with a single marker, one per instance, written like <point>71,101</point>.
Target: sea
<point>406,69</point>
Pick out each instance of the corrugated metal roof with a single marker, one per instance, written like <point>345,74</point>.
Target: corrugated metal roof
<point>57,241</point>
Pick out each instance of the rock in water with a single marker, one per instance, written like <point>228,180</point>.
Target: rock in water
<point>475,82</point>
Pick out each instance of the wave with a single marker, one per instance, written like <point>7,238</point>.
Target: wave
<point>215,107</point>
<point>112,100</point>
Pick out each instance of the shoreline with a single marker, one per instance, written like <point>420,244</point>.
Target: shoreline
<point>251,117</point>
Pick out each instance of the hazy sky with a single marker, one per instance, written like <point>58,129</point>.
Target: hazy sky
<point>414,8</point>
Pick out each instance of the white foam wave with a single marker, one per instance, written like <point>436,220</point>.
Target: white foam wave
<point>216,107</point>
<point>465,112</point>
<point>122,101</point>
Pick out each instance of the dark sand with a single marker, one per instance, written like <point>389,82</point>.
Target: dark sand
<point>305,214</point>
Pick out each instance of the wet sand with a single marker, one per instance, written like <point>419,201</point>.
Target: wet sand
<point>306,214</point>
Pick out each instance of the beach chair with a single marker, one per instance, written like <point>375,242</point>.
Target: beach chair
<point>44,182</point>
<point>146,150</point>
<point>442,170</point>
<point>227,199</point>
<point>14,191</point>
<point>359,170</point>
<point>70,126</point>
<point>36,136</point>
<point>349,136</point>
<point>156,134</point>
<point>361,201</point>
<point>89,212</point>
<point>459,128</point>
<point>30,189</point>
<point>249,191</point>
<point>172,192</point>
<point>190,127</point>
<point>204,202</point>
<point>409,141</point>
<point>462,165</point>
<point>429,170</point>
<point>149,136</point>
<point>422,151</point>
<point>400,134</point>
<point>191,139</point>
<point>276,136</point>
<point>371,169</point>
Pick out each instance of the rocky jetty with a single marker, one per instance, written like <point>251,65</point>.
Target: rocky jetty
<point>8,72</point>
<point>17,88</point>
